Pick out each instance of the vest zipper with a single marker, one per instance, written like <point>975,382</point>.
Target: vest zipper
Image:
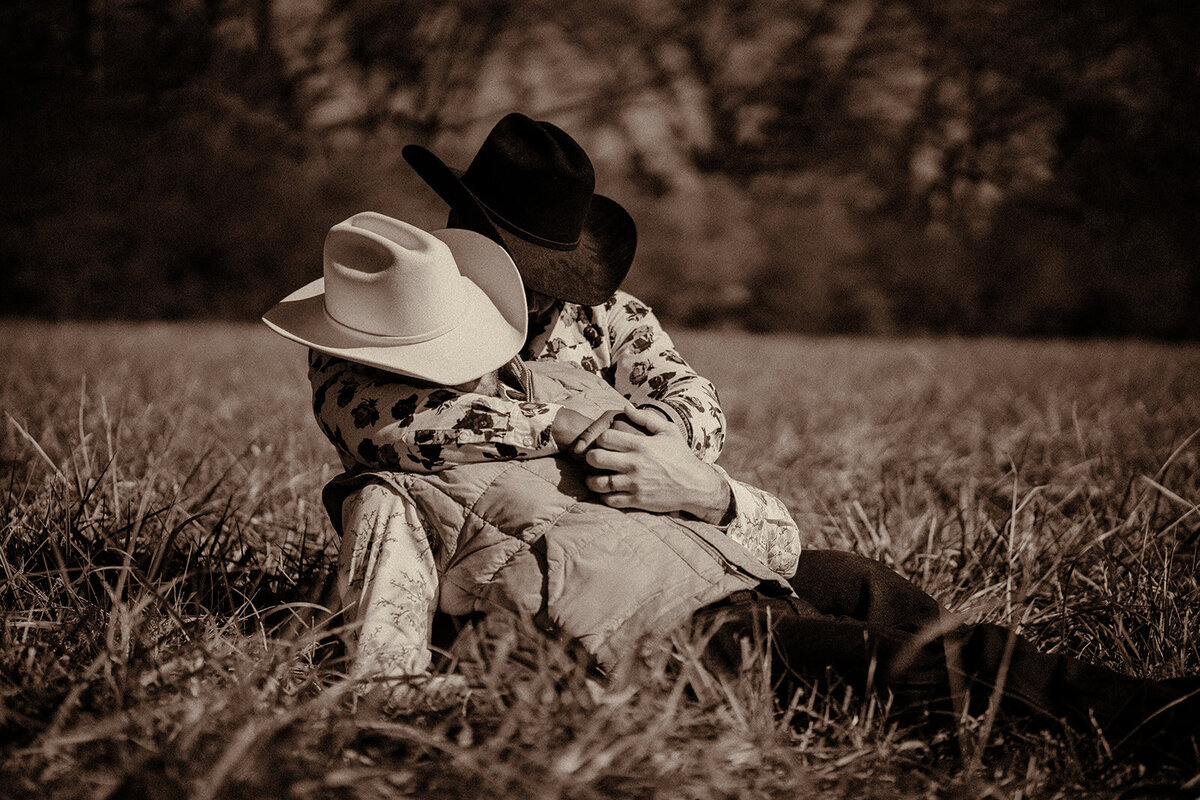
<point>728,566</point>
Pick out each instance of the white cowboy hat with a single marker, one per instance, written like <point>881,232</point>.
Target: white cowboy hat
<point>445,307</point>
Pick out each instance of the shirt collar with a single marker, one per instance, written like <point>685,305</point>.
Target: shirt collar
<point>515,379</point>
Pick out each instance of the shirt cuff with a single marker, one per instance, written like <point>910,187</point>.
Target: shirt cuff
<point>537,439</point>
<point>674,416</point>
<point>735,503</point>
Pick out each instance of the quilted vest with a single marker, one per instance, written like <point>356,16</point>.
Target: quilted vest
<point>528,537</point>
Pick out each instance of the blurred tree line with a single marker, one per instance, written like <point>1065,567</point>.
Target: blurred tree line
<point>1013,167</point>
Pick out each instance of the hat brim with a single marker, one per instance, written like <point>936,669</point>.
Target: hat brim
<point>587,275</point>
<point>491,330</point>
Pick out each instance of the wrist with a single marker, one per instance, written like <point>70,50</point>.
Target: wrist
<point>670,414</point>
<point>713,499</point>
<point>567,426</point>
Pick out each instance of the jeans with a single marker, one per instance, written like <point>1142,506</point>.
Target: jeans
<point>878,632</point>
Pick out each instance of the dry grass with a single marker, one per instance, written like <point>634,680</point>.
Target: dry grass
<point>161,525</point>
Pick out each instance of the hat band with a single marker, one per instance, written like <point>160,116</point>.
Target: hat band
<point>415,338</point>
<point>529,236</point>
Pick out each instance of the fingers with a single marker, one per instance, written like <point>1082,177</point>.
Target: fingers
<point>621,431</point>
<point>618,500</point>
<point>609,483</point>
<point>620,441</point>
<point>448,690</point>
<point>426,693</point>
<point>625,426</point>
<point>653,421</point>
<point>610,460</point>
<point>592,431</point>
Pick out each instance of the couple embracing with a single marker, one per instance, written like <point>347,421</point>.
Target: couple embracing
<point>521,437</point>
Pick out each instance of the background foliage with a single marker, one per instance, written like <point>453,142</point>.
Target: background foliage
<point>819,165</point>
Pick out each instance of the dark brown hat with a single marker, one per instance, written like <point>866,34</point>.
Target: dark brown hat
<point>530,188</point>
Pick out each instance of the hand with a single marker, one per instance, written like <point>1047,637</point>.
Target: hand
<point>574,431</point>
<point>589,435</point>
<point>615,420</point>
<point>655,470</point>
<point>423,693</point>
<point>568,425</point>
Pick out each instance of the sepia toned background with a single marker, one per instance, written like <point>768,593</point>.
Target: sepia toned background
<point>877,166</point>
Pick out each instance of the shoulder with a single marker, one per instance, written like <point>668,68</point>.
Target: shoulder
<point>622,308</point>
<point>564,382</point>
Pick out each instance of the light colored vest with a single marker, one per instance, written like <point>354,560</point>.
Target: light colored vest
<point>524,536</point>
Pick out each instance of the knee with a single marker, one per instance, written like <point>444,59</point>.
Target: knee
<point>863,588</point>
<point>853,573</point>
<point>839,564</point>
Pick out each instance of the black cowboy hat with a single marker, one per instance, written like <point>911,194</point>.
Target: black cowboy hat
<point>530,188</point>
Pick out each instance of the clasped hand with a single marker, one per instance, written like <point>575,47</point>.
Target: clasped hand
<point>641,460</point>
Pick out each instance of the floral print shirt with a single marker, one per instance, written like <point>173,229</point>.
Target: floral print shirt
<point>380,420</point>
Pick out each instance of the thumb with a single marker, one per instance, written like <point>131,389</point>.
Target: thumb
<point>649,420</point>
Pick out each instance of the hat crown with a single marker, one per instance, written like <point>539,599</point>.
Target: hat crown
<point>387,278</point>
<point>533,178</point>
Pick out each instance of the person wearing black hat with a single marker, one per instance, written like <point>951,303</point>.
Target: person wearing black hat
<point>530,188</point>
<point>843,612</point>
<point>502,538</point>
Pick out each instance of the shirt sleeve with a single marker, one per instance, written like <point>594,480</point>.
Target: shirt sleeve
<point>381,420</point>
<point>387,579</point>
<point>647,368</point>
<point>762,524</point>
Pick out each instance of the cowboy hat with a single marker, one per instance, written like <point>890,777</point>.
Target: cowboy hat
<point>530,188</point>
<point>445,307</point>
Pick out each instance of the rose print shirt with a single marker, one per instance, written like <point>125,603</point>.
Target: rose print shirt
<point>383,421</point>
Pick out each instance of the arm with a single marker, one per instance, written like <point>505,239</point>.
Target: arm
<point>648,369</point>
<point>384,421</point>
<point>760,522</point>
<point>387,579</point>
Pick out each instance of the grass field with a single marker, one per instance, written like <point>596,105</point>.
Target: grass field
<point>161,521</point>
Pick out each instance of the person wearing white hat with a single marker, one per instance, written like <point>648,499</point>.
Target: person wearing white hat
<point>447,308</point>
<point>530,188</point>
